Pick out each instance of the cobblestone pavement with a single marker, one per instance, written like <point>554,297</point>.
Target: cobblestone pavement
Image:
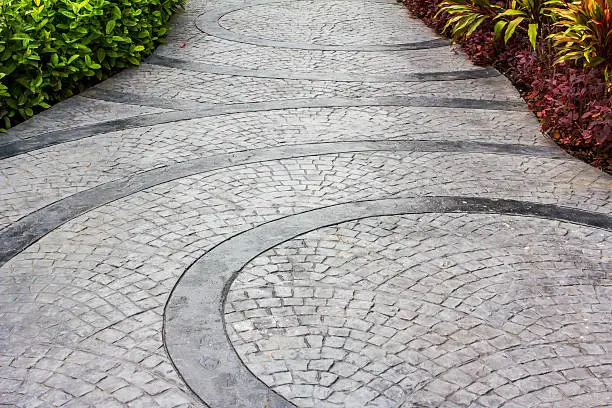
<point>313,203</point>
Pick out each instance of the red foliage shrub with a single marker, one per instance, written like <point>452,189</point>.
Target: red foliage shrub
<point>571,103</point>
<point>573,108</point>
<point>480,47</point>
<point>521,66</point>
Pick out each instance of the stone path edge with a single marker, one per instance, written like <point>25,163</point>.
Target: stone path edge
<point>208,23</point>
<point>169,62</point>
<point>194,329</point>
<point>30,228</point>
<point>15,148</point>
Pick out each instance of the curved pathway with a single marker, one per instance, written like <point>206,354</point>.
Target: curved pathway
<point>314,203</point>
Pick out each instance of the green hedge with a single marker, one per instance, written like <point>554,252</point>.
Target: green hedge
<point>51,49</point>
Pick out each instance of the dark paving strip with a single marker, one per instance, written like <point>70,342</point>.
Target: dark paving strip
<point>142,100</point>
<point>194,332</point>
<point>8,138</point>
<point>328,76</point>
<point>111,96</point>
<point>67,135</point>
<point>19,235</point>
<point>209,23</point>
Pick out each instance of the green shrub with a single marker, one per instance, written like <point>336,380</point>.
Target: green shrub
<point>49,49</point>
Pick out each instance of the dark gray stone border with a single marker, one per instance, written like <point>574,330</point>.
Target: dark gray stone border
<point>29,229</point>
<point>142,100</point>
<point>194,333</point>
<point>208,23</point>
<point>169,62</point>
<point>41,141</point>
<point>9,138</point>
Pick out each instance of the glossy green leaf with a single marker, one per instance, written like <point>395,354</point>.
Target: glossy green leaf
<point>110,26</point>
<point>20,37</point>
<point>101,54</point>
<point>532,32</point>
<point>511,28</point>
<point>498,29</point>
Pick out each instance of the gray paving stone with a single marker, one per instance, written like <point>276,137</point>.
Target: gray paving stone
<point>507,378</point>
<point>283,111</point>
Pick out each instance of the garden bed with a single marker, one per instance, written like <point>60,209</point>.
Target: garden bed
<point>571,98</point>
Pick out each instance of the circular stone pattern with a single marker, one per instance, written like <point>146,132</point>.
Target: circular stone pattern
<point>328,22</point>
<point>434,310</point>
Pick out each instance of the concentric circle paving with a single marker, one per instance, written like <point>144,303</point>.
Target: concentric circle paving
<point>359,23</point>
<point>430,311</point>
<point>391,311</point>
<point>312,203</point>
<point>305,25</point>
<point>384,168</point>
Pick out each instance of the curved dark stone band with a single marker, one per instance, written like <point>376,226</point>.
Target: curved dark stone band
<point>41,141</point>
<point>19,235</point>
<point>143,100</point>
<point>209,23</point>
<point>324,76</point>
<point>194,332</point>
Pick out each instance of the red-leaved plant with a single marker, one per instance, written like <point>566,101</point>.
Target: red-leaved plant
<point>570,101</point>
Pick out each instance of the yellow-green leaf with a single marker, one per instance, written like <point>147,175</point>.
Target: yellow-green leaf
<point>510,13</point>
<point>499,29</point>
<point>512,27</point>
<point>533,34</point>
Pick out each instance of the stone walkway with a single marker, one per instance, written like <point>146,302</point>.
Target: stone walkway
<point>313,203</point>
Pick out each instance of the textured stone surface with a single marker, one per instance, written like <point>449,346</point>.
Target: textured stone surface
<point>306,26</point>
<point>93,161</point>
<point>78,111</point>
<point>304,109</point>
<point>195,334</point>
<point>14,148</point>
<point>213,50</point>
<point>181,82</point>
<point>471,73</point>
<point>308,21</point>
<point>437,310</point>
<point>397,173</point>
